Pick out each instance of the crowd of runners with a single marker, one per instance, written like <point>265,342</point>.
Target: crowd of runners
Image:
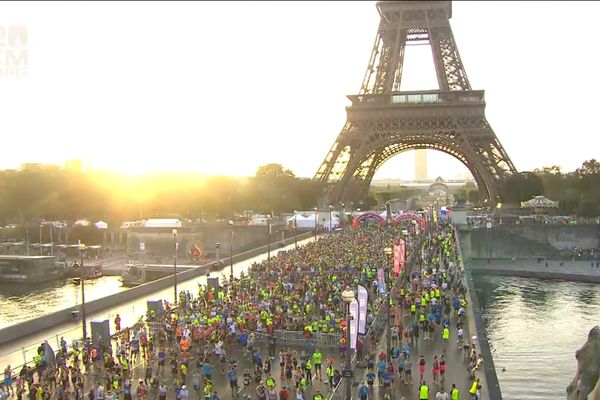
<point>220,342</point>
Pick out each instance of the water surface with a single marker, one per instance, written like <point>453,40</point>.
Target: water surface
<point>535,327</point>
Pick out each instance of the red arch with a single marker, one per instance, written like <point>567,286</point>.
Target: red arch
<point>366,216</point>
<point>409,216</point>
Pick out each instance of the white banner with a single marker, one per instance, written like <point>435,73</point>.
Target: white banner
<point>353,323</point>
<point>363,297</point>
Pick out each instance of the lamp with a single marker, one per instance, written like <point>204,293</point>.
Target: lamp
<point>174,232</point>
<point>388,251</point>
<point>348,297</point>
<point>295,230</point>
<point>230,223</point>
<point>315,209</point>
<point>269,237</point>
<point>81,248</point>
<point>330,220</point>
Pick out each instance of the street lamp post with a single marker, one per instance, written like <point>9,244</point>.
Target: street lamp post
<point>348,297</point>
<point>51,241</point>
<point>388,251</point>
<point>81,247</point>
<point>174,265</point>
<point>27,241</point>
<point>231,249</point>
<point>330,220</point>
<point>316,214</point>
<point>295,230</point>
<point>268,238</point>
<point>41,239</point>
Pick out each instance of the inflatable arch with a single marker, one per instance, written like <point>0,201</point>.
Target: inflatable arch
<point>367,216</point>
<point>409,216</point>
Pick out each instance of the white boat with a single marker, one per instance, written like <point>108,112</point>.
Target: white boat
<point>29,269</point>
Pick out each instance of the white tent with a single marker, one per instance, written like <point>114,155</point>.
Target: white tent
<point>101,225</point>
<point>539,202</point>
<point>303,221</point>
<point>163,223</point>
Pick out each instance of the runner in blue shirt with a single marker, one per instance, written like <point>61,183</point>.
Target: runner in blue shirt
<point>207,369</point>
<point>380,370</point>
<point>370,378</point>
<point>363,391</point>
<point>387,383</point>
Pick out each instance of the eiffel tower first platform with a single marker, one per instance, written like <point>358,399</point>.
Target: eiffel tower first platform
<point>382,121</point>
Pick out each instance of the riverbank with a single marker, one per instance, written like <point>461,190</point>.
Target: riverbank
<point>578,271</point>
<point>70,314</point>
<point>475,323</point>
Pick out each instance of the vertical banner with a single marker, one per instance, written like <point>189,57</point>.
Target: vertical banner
<point>381,281</point>
<point>397,259</point>
<point>353,323</point>
<point>363,297</point>
<point>402,256</point>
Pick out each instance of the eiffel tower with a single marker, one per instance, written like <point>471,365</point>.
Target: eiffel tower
<point>382,121</point>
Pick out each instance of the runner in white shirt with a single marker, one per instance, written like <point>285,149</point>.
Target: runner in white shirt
<point>442,395</point>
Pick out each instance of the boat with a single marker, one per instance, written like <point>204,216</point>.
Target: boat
<point>88,276</point>
<point>217,265</point>
<point>29,269</point>
<point>132,276</point>
<point>95,274</point>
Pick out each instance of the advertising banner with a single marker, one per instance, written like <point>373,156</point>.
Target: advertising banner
<point>402,255</point>
<point>381,281</point>
<point>353,323</point>
<point>397,260</point>
<point>363,297</point>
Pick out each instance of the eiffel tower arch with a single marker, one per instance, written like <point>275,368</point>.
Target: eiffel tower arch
<point>382,121</point>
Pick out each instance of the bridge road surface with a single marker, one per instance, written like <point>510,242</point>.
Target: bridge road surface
<point>456,373</point>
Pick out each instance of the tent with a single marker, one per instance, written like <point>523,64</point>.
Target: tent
<point>163,223</point>
<point>101,225</point>
<point>303,221</point>
<point>539,203</point>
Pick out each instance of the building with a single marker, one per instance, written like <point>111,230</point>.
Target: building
<point>420,165</point>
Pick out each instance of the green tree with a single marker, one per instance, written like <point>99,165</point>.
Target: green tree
<point>273,170</point>
<point>521,186</point>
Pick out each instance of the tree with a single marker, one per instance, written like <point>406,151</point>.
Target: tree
<point>273,170</point>
<point>589,167</point>
<point>521,186</point>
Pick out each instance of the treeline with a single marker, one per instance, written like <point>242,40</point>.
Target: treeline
<point>578,192</point>
<point>53,193</point>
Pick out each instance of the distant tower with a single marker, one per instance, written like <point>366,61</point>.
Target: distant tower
<point>420,165</point>
<point>383,121</point>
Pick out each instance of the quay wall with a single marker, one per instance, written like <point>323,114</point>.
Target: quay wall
<point>526,272</point>
<point>489,380</point>
<point>35,325</point>
<point>528,240</point>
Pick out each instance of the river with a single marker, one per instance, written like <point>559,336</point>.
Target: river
<point>534,328</point>
<point>48,297</point>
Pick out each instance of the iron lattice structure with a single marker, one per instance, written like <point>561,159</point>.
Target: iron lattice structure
<point>382,121</point>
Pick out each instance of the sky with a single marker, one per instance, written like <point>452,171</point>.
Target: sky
<point>224,87</point>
